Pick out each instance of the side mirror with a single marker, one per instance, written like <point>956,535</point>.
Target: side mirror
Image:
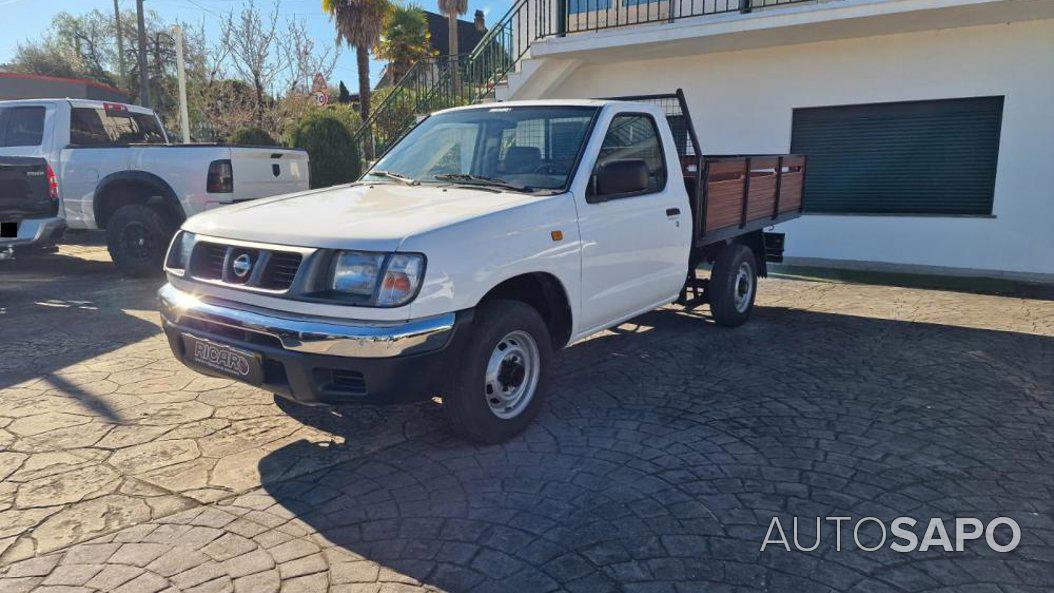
<point>616,178</point>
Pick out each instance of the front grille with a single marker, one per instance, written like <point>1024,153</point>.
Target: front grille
<point>281,270</point>
<point>222,263</point>
<point>207,261</point>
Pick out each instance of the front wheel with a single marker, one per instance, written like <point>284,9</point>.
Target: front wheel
<point>733,285</point>
<point>136,237</point>
<point>501,383</point>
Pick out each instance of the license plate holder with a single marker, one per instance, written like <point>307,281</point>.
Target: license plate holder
<point>218,358</point>
<point>8,230</point>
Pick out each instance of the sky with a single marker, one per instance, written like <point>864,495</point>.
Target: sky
<point>26,20</point>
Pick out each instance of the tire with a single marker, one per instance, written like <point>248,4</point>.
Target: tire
<point>137,238</point>
<point>733,285</point>
<point>486,404</point>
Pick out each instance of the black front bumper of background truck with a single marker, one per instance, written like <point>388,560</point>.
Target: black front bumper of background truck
<point>324,361</point>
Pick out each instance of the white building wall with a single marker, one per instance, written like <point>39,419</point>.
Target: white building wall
<point>741,102</point>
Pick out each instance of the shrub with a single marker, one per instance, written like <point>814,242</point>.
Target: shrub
<point>347,114</point>
<point>252,136</point>
<point>333,153</point>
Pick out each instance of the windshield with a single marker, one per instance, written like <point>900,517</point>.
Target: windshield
<point>528,148</point>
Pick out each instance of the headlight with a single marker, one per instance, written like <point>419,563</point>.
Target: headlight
<point>378,279</point>
<point>179,251</point>
<point>356,272</point>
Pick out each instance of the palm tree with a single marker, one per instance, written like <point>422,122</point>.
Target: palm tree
<point>359,23</point>
<point>405,40</point>
<point>453,9</point>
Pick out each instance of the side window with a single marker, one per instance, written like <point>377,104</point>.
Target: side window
<point>97,127</point>
<point>633,137</point>
<point>22,126</point>
<point>149,130</point>
<point>86,128</point>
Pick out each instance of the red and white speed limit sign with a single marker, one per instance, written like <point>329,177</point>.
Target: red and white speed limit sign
<point>321,99</point>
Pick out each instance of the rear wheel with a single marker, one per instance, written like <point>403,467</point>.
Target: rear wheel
<point>136,237</point>
<point>733,285</point>
<point>501,383</point>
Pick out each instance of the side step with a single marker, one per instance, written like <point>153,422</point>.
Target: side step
<point>693,293</point>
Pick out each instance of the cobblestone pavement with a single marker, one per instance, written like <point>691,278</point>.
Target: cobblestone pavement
<point>665,450</point>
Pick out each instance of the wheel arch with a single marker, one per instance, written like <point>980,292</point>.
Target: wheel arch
<point>136,187</point>
<point>546,294</point>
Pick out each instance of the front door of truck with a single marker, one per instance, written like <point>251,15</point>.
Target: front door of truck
<point>635,244</point>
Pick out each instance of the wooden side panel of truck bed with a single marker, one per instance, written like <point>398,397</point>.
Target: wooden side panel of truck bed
<point>743,191</point>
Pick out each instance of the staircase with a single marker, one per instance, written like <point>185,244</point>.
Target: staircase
<point>451,81</point>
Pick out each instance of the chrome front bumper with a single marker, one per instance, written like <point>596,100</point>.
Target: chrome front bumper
<point>312,335</point>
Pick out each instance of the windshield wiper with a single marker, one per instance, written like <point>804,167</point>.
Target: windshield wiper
<point>481,180</point>
<point>396,176</point>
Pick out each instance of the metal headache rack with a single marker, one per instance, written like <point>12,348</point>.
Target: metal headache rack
<point>730,194</point>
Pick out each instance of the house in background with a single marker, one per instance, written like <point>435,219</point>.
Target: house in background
<point>469,34</point>
<point>927,123</point>
<point>15,85</point>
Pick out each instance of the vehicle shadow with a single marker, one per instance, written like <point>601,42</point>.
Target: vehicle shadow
<point>666,447</point>
<point>61,309</point>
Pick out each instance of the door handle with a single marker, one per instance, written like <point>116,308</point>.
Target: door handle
<point>673,212</point>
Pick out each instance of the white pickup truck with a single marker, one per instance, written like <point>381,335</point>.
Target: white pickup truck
<point>486,239</point>
<point>94,165</point>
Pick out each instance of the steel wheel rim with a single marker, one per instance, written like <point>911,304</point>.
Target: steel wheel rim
<point>512,374</point>
<point>743,287</point>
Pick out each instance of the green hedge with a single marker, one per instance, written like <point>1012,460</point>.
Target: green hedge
<point>252,136</point>
<point>329,144</point>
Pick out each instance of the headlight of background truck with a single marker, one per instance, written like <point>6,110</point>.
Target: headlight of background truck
<point>379,279</point>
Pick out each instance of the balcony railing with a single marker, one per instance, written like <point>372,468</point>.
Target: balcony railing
<point>592,15</point>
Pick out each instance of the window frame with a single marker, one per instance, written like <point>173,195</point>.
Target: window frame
<point>593,198</point>
<point>577,7</point>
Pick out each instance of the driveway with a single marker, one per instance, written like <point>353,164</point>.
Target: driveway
<point>664,453</point>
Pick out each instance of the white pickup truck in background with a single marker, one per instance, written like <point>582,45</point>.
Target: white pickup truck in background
<point>93,165</point>
<point>486,239</point>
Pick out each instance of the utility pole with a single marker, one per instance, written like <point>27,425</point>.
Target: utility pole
<point>120,44</point>
<point>144,78</point>
<point>181,76</point>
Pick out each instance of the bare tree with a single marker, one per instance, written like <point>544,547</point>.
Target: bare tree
<point>303,57</point>
<point>254,42</point>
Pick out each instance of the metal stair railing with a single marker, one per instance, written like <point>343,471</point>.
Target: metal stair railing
<point>452,81</point>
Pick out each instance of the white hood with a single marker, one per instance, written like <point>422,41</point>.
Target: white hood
<point>370,217</point>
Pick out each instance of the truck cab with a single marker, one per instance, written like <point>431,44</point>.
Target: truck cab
<point>484,241</point>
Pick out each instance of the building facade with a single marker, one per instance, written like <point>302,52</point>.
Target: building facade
<point>15,85</point>
<point>926,121</point>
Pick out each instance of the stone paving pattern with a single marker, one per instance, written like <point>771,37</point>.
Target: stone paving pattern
<point>665,449</point>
